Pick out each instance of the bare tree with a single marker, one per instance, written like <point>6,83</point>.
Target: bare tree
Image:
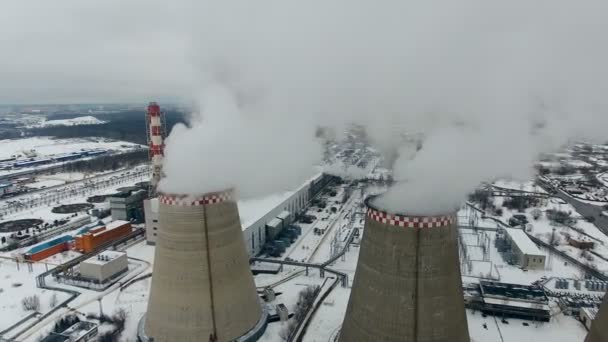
<point>53,301</point>
<point>31,303</point>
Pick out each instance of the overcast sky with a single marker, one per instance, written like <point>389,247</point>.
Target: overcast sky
<point>93,51</point>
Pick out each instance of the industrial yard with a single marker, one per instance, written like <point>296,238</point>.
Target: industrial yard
<point>78,247</point>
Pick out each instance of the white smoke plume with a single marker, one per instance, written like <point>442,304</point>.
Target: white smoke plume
<point>490,84</point>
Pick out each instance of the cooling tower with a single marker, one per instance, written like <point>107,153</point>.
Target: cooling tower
<point>407,285</point>
<point>202,287</point>
<point>599,327</point>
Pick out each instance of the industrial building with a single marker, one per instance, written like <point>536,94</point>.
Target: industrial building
<point>256,214</point>
<point>523,251</point>
<point>97,237</point>
<point>513,300</point>
<point>407,284</point>
<point>128,205</point>
<point>6,188</point>
<point>599,326</point>
<point>104,266</point>
<point>49,248</point>
<point>587,315</point>
<point>202,288</point>
<point>80,332</point>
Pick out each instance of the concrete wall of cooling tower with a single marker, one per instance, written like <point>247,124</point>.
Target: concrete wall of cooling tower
<point>599,327</point>
<point>201,280</point>
<point>407,285</point>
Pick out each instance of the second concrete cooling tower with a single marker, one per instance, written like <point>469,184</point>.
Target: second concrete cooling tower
<point>202,287</point>
<point>407,285</point>
<point>599,326</point>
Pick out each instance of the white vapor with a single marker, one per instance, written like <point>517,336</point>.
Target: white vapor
<point>489,83</point>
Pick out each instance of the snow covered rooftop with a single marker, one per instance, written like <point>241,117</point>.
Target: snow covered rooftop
<point>523,242</point>
<point>252,210</point>
<point>104,257</point>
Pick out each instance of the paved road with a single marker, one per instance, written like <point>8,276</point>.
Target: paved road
<point>585,209</point>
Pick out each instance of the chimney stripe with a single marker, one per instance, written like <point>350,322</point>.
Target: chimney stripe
<point>189,201</point>
<point>410,221</point>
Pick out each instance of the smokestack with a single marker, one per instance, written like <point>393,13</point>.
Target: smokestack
<point>407,285</point>
<point>599,327</point>
<point>202,287</point>
<point>156,133</point>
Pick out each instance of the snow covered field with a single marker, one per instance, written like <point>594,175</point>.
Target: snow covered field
<point>81,120</point>
<point>47,146</point>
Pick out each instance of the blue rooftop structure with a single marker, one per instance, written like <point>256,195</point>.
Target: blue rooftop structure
<point>50,244</point>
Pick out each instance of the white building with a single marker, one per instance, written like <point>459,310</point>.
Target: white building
<point>104,266</point>
<point>587,315</point>
<point>525,251</point>
<point>254,213</point>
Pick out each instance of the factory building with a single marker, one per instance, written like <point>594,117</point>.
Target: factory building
<point>599,326</point>
<point>97,237</point>
<point>524,252</point>
<point>104,267</point>
<point>202,288</point>
<point>256,214</point>
<point>127,205</point>
<point>7,188</point>
<point>407,284</point>
<point>49,248</point>
<point>514,300</point>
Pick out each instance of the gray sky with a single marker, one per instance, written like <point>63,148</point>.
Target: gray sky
<point>92,51</point>
<point>476,76</point>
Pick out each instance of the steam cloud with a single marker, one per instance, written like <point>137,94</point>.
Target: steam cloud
<point>490,85</point>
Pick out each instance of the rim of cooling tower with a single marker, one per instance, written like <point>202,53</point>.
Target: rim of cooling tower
<point>406,220</point>
<point>197,200</point>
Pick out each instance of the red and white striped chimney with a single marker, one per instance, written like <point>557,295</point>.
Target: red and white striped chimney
<point>155,142</point>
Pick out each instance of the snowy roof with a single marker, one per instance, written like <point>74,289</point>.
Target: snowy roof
<point>252,210</point>
<point>283,215</point>
<point>516,303</point>
<point>590,312</point>
<point>104,257</point>
<point>523,242</point>
<point>112,225</point>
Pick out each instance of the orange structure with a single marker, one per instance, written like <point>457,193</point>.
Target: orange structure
<point>94,238</point>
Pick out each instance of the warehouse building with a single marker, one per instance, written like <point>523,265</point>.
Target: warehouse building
<point>525,253</point>
<point>527,302</point>
<point>97,237</point>
<point>49,248</point>
<point>127,205</point>
<point>104,267</point>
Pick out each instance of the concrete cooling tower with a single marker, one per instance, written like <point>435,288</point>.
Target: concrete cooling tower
<point>407,285</point>
<point>599,327</point>
<point>202,287</point>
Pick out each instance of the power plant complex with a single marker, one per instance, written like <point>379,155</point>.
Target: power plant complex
<point>407,284</point>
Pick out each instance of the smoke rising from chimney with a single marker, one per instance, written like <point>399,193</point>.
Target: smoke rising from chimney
<point>489,84</point>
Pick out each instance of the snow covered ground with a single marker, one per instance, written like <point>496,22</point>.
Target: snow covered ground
<point>528,186</point>
<point>81,120</point>
<point>47,146</point>
<point>18,281</point>
<point>542,228</point>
